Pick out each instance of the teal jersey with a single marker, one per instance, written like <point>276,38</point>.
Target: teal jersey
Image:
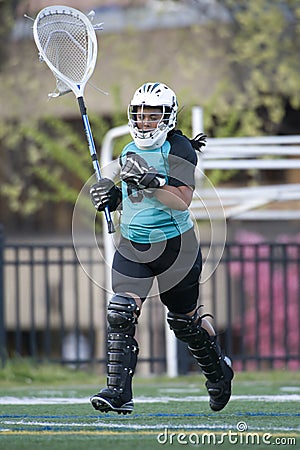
<point>144,218</point>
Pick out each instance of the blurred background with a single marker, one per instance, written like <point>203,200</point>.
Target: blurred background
<point>236,64</point>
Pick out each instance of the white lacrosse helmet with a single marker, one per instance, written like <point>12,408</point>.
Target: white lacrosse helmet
<point>155,95</point>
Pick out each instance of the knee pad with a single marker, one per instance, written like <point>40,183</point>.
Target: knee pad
<point>122,314</point>
<point>187,328</point>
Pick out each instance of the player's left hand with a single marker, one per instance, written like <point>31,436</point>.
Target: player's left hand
<point>136,172</point>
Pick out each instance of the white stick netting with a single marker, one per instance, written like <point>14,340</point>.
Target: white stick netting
<point>64,40</point>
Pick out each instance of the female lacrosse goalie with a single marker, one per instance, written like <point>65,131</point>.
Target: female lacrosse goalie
<point>157,240</point>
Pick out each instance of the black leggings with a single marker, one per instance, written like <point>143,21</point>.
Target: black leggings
<point>176,263</point>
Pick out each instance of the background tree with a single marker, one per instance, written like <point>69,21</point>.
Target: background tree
<point>261,41</point>
<point>7,15</point>
<point>45,163</point>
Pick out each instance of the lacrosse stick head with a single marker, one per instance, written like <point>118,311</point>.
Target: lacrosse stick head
<point>67,43</point>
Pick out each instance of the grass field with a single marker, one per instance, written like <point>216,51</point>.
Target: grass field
<point>45,410</point>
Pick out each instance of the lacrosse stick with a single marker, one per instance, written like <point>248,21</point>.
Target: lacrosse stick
<point>67,43</point>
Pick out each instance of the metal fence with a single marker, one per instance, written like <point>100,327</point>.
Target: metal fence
<point>50,310</point>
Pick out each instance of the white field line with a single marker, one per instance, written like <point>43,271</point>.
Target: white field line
<point>133,426</point>
<point>290,388</point>
<point>99,424</point>
<point>164,399</point>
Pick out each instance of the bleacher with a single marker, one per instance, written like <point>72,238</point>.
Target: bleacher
<point>258,201</point>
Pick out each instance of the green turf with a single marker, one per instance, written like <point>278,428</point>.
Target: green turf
<point>177,421</point>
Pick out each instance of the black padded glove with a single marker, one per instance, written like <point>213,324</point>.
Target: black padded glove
<point>105,193</point>
<point>136,172</point>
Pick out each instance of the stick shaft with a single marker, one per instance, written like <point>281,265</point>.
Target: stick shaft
<point>93,153</point>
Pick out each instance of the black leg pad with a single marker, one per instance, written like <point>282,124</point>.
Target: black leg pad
<point>202,346</point>
<point>122,348</point>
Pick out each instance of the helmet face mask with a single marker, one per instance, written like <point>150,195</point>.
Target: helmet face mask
<point>151,115</point>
